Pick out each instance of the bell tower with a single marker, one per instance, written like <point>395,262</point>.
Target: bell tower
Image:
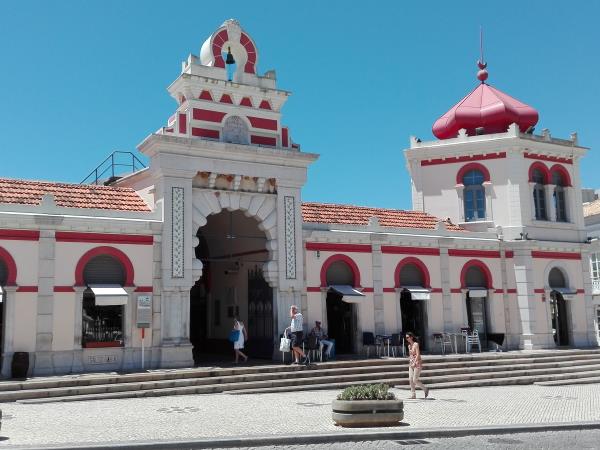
<point>225,165</point>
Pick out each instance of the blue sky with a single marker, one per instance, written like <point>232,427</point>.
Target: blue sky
<point>80,79</point>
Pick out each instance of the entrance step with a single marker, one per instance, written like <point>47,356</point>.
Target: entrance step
<point>481,369</point>
<point>590,380</point>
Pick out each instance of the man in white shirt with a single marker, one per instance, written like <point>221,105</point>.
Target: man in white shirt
<point>297,333</point>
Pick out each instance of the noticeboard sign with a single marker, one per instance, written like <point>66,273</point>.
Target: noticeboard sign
<point>144,311</point>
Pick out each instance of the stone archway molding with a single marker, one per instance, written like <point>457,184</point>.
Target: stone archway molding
<point>262,207</point>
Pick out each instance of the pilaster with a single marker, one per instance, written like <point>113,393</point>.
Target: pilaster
<point>377,267</point>
<point>444,245</point>
<point>10,297</point>
<point>45,303</point>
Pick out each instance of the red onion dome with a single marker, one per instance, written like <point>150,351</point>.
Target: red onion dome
<point>485,110</point>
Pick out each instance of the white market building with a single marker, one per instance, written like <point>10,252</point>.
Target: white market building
<point>215,227</point>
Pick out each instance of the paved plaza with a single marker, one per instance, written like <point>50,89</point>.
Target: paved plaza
<point>225,415</point>
<point>589,439</point>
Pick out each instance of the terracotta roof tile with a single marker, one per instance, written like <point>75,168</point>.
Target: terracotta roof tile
<point>67,195</point>
<point>360,215</point>
<point>591,208</point>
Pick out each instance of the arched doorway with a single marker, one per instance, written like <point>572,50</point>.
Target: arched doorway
<point>558,307</point>
<point>412,279</point>
<point>477,281</point>
<point>104,300</point>
<point>233,251</point>
<point>341,315</point>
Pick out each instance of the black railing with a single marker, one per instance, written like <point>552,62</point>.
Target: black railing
<point>116,165</point>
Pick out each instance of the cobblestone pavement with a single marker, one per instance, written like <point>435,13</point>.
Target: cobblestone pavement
<point>224,415</point>
<point>589,439</point>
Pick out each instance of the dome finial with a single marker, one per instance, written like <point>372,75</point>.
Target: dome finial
<point>482,75</point>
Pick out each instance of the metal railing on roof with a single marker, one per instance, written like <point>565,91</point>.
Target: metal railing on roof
<point>115,166</point>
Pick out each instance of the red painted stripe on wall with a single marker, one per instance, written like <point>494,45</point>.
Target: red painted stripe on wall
<point>27,289</point>
<point>259,122</point>
<point>436,290</point>
<point>539,291</point>
<point>581,291</point>
<point>20,235</point>
<point>203,132</point>
<point>64,289</point>
<point>326,247</point>
<point>183,123</point>
<point>460,159</point>
<point>555,255</point>
<point>474,253</point>
<point>263,140</point>
<point>284,137</point>
<point>143,289</point>
<point>511,291</point>
<point>456,291</point>
<point>313,289</point>
<point>395,250</point>
<point>509,254</point>
<point>389,290</point>
<point>368,289</point>
<point>207,115</point>
<point>548,158</point>
<point>71,236</point>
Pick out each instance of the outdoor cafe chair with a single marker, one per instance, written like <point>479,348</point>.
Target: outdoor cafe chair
<point>368,341</point>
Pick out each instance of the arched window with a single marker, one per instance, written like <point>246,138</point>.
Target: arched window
<point>560,204</point>
<point>474,195</point>
<point>340,273</point>
<point>103,302</point>
<point>3,273</point>
<point>556,279</point>
<point>539,195</point>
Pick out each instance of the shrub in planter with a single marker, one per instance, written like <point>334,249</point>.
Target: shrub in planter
<point>367,392</point>
<point>367,405</point>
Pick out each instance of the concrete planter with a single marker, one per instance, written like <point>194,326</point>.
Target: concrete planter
<point>367,413</point>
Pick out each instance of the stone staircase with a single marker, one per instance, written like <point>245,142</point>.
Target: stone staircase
<point>450,371</point>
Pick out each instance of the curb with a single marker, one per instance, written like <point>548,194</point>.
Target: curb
<point>260,441</point>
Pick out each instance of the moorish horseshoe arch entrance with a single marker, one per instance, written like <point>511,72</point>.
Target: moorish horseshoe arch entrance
<point>234,270</point>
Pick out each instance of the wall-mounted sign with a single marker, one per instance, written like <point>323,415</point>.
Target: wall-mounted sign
<point>144,311</point>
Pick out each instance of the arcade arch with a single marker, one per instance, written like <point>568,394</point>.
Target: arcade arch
<point>476,281</point>
<point>559,286</point>
<point>342,321</point>
<point>233,251</point>
<point>412,282</point>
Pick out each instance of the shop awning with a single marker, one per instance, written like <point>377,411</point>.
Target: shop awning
<point>418,292</point>
<point>478,292</point>
<point>107,295</point>
<point>567,293</point>
<point>348,293</point>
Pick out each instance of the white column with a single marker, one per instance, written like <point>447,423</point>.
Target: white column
<point>9,329</point>
<point>460,192</point>
<point>489,216</point>
<point>550,206</point>
<point>77,366</point>
<point>531,201</point>
<point>443,245</point>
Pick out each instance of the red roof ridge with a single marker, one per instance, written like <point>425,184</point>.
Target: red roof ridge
<point>348,205</point>
<point>66,184</point>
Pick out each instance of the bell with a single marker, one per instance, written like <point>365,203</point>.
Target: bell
<point>229,60</point>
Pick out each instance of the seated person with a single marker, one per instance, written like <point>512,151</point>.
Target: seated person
<point>322,336</point>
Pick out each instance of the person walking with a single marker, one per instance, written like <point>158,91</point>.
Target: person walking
<point>297,333</point>
<point>242,338</point>
<point>415,364</point>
